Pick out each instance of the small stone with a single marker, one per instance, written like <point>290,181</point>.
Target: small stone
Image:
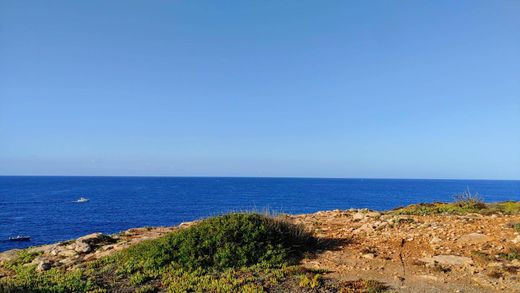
<point>515,262</point>
<point>380,225</point>
<point>474,238</point>
<point>44,266</point>
<point>82,247</point>
<point>365,228</point>
<point>186,224</point>
<point>95,239</point>
<point>435,240</point>
<point>67,253</point>
<point>373,214</point>
<point>429,277</point>
<point>67,261</point>
<point>495,265</point>
<point>447,260</point>
<point>369,255</point>
<point>358,216</point>
<point>8,255</point>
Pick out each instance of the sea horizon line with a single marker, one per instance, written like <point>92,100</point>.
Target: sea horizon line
<point>261,177</point>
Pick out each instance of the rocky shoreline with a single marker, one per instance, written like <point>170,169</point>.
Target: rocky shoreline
<point>470,252</point>
<point>73,253</point>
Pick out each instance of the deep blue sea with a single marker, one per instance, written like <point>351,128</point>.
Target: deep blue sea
<point>44,207</point>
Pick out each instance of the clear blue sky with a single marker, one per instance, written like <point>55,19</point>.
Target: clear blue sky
<point>387,89</point>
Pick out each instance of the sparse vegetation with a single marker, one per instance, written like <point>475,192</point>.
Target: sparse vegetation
<point>481,257</point>
<point>515,226</point>
<point>513,253</point>
<point>463,203</point>
<point>23,258</point>
<point>310,280</point>
<point>27,279</point>
<point>468,200</point>
<point>363,286</point>
<point>369,249</point>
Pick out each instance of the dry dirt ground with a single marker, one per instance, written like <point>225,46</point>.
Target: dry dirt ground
<point>440,253</point>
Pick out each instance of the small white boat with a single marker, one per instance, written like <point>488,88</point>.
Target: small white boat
<point>20,238</point>
<point>82,199</point>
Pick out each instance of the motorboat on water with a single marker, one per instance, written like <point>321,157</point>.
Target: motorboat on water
<point>20,238</point>
<point>82,199</point>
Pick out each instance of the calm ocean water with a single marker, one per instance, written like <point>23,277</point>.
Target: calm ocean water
<point>44,207</point>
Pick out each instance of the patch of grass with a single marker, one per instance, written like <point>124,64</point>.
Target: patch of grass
<point>513,253</point>
<point>481,257</point>
<point>146,289</point>
<point>515,226</point>
<point>363,286</point>
<point>23,257</point>
<point>506,207</point>
<point>310,280</point>
<point>27,279</point>
<point>252,279</point>
<point>463,203</point>
<point>401,221</point>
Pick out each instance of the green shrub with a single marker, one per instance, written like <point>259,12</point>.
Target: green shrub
<point>229,241</point>
<point>238,240</point>
<point>516,226</point>
<point>310,280</point>
<point>200,256</point>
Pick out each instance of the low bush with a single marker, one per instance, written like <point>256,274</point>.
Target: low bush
<point>469,201</point>
<point>229,241</point>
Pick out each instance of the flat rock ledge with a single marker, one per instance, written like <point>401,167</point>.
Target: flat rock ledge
<point>73,253</point>
<point>450,260</point>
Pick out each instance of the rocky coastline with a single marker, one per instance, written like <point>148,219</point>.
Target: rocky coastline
<point>407,251</point>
